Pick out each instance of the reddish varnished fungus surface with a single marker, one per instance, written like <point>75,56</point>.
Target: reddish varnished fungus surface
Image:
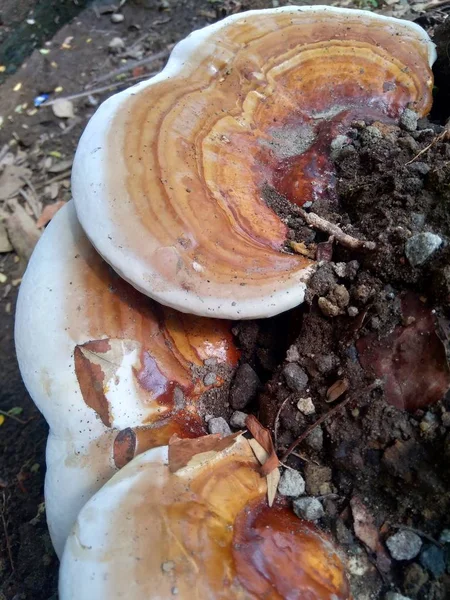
<point>278,556</point>
<point>204,529</point>
<point>139,364</point>
<point>256,106</point>
<point>411,361</point>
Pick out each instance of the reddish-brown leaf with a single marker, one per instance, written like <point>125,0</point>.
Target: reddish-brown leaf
<point>91,377</point>
<point>411,361</point>
<point>48,213</point>
<point>262,435</point>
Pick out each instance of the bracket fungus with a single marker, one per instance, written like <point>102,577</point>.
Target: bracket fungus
<point>173,179</point>
<point>113,372</point>
<point>199,528</point>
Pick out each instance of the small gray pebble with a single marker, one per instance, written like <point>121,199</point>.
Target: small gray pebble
<point>418,220</point>
<point>432,558</point>
<point>404,545</point>
<point>291,484</point>
<point>408,120</point>
<point>352,311</point>
<point>210,379</point>
<point>295,377</point>
<point>244,387</point>
<point>419,167</point>
<point>315,439</point>
<point>237,419</point>
<point>395,596</point>
<point>444,538</point>
<point>421,246</point>
<point>306,406</point>
<point>370,134</point>
<point>210,362</point>
<point>308,508</point>
<point>117,18</point>
<point>218,425</point>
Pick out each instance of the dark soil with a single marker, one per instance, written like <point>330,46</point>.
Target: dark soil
<point>366,345</point>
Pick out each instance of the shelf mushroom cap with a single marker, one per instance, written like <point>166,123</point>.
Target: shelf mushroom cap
<point>112,372</point>
<point>199,529</point>
<point>173,178</point>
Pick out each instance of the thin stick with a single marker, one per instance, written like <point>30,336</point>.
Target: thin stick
<point>437,139</point>
<point>5,529</point>
<point>14,418</point>
<point>99,90</point>
<point>58,177</point>
<point>137,63</point>
<point>376,384</point>
<point>345,239</point>
<point>311,428</point>
<point>277,420</point>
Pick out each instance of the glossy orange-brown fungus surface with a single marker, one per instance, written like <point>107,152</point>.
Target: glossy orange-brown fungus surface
<point>207,531</point>
<point>255,107</point>
<point>139,363</point>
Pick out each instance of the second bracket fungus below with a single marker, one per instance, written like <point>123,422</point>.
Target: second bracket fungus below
<point>113,373</point>
<point>200,529</point>
<point>174,178</point>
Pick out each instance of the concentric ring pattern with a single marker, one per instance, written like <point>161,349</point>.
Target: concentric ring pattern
<point>170,177</point>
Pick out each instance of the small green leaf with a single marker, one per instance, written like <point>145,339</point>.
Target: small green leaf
<point>15,411</point>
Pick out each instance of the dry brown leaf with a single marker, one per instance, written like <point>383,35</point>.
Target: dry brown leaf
<point>337,389</point>
<point>12,180</point>
<point>273,479</point>
<point>63,108</point>
<point>263,436</point>
<point>48,213</point>
<point>182,451</point>
<point>368,533</point>
<point>22,232</point>
<point>301,248</point>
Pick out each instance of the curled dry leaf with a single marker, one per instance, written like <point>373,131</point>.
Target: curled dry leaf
<point>411,361</point>
<point>264,438</point>
<point>48,213</point>
<point>336,390</point>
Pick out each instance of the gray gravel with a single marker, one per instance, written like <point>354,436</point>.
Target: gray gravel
<point>404,545</point>
<point>310,509</point>
<point>291,484</point>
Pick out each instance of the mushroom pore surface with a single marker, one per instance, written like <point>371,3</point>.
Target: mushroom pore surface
<point>172,178</point>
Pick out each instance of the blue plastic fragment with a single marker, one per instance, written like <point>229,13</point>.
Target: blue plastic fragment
<point>41,99</point>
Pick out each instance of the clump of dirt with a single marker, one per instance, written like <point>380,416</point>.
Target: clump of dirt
<point>359,404</point>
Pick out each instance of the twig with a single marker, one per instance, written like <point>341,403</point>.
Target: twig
<point>5,529</point>
<point>32,201</point>
<point>419,533</point>
<point>13,417</point>
<point>54,179</point>
<point>99,90</point>
<point>323,418</point>
<point>311,428</point>
<point>129,67</point>
<point>345,239</point>
<point>277,420</point>
<point>437,139</point>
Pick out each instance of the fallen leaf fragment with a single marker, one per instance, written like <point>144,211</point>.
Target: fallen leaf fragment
<point>48,213</point>
<point>301,248</point>
<point>367,532</point>
<point>2,419</point>
<point>12,180</point>
<point>263,436</point>
<point>22,232</point>
<point>63,109</point>
<point>5,244</point>
<point>338,388</point>
<point>273,478</point>
<point>182,452</point>
<point>411,361</point>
